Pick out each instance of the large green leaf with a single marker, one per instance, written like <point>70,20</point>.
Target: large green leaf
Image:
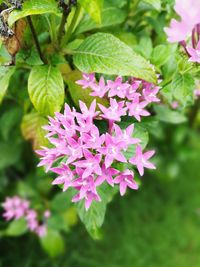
<point>94,217</point>
<point>46,89</point>
<point>31,128</point>
<point>33,7</point>
<point>5,75</point>
<point>183,87</point>
<point>93,8</point>
<point>110,16</point>
<point>104,53</point>
<point>161,54</point>
<point>17,228</point>
<point>53,243</point>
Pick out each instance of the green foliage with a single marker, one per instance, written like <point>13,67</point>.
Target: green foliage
<point>104,53</point>
<point>46,89</point>
<point>53,243</point>
<point>5,75</point>
<point>93,8</point>
<point>16,228</point>
<point>33,7</point>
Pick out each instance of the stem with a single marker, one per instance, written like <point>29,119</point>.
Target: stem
<point>110,126</point>
<point>36,39</point>
<point>194,112</point>
<point>62,25</point>
<point>72,25</point>
<point>194,38</point>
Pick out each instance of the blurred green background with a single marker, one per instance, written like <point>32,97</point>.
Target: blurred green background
<point>157,226</point>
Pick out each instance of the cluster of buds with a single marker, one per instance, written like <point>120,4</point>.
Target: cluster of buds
<point>16,208</point>
<point>82,156</point>
<point>189,25</point>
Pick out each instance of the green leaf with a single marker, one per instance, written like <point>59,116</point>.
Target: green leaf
<point>161,54</point>
<point>31,128</point>
<point>93,8</point>
<point>77,93</point>
<point>5,75</point>
<point>145,47</point>
<point>104,53</point>
<point>33,7</point>
<point>94,217</point>
<point>17,228</point>
<point>10,154</point>
<point>183,86</point>
<point>53,243</point>
<point>155,3</point>
<point>167,115</point>
<point>46,89</point>
<point>110,16</point>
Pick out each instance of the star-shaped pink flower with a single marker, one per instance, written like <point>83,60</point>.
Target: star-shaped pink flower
<point>65,176</point>
<point>194,53</point>
<point>142,160</point>
<point>125,136</point>
<point>112,150</point>
<point>136,108</point>
<point>117,87</point>
<point>88,80</point>
<point>107,175</point>
<point>125,179</point>
<point>90,164</point>
<point>115,111</point>
<point>99,89</point>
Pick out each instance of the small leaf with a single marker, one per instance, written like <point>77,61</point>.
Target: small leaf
<point>167,115</point>
<point>46,89</point>
<point>155,3</point>
<point>161,54</point>
<point>17,227</point>
<point>104,53</point>
<point>183,86</point>
<point>33,7</point>
<point>5,75</point>
<point>53,243</point>
<point>31,128</point>
<point>93,8</point>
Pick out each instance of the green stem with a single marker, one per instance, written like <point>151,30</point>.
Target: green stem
<point>72,25</point>
<point>194,113</point>
<point>37,44</point>
<point>62,25</point>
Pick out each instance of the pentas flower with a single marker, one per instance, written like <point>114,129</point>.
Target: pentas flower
<point>115,111</point>
<point>136,109</point>
<point>126,98</point>
<point>88,80</point>
<point>189,25</point>
<point>194,53</point>
<point>16,208</point>
<point>125,179</point>
<point>82,157</point>
<point>142,160</point>
<point>117,88</point>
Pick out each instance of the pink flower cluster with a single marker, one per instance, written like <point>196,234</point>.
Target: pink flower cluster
<point>82,156</point>
<point>16,208</point>
<point>189,25</point>
<point>133,96</point>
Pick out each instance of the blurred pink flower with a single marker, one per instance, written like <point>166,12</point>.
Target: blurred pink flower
<point>88,80</point>
<point>141,160</point>
<point>125,179</point>
<point>194,53</point>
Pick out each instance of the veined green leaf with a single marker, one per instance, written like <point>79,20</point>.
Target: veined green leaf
<point>104,53</point>
<point>46,89</point>
<point>31,128</point>
<point>33,7</point>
